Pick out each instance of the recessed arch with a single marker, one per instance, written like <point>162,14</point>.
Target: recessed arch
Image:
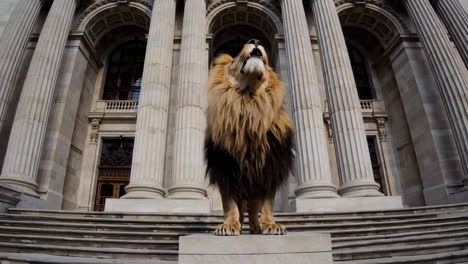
<point>102,17</point>
<point>379,22</point>
<point>232,24</point>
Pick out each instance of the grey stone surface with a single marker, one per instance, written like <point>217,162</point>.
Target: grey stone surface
<point>313,172</point>
<point>146,180</point>
<point>455,18</point>
<point>451,75</point>
<point>158,205</point>
<point>188,173</point>
<point>28,133</point>
<point>290,248</point>
<point>348,204</point>
<point>12,48</point>
<point>357,178</point>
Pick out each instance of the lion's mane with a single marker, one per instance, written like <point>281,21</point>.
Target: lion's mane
<point>249,137</point>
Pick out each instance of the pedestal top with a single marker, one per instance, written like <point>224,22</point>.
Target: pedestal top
<point>254,244</point>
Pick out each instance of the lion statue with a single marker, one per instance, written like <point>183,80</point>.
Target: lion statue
<point>249,139</point>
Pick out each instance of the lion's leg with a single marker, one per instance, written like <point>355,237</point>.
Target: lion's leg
<point>231,225</point>
<point>269,226</point>
<point>242,205</point>
<point>254,223</point>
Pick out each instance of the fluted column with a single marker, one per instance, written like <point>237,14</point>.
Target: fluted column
<point>312,156</point>
<point>27,136</point>
<point>188,167</point>
<point>13,43</point>
<point>147,174</point>
<point>354,164</point>
<point>450,74</point>
<point>455,19</point>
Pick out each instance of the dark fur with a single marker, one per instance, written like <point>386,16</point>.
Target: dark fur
<point>225,172</point>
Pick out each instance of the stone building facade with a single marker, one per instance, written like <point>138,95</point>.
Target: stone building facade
<point>103,99</point>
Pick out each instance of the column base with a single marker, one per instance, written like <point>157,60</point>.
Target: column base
<point>355,204</point>
<point>319,190</point>
<point>187,192</point>
<point>20,183</point>
<point>360,189</point>
<point>158,206</point>
<point>144,192</point>
<point>251,249</point>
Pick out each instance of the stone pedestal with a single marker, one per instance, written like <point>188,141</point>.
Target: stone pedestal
<point>250,249</point>
<point>354,204</point>
<point>158,206</point>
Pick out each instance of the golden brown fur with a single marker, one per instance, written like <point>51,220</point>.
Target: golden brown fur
<point>262,109</point>
<point>248,144</point>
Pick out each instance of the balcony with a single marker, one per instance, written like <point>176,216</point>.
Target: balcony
<point>121,109</point>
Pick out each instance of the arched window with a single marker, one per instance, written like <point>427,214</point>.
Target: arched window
<point>125,71</point>
<point>361,74</point>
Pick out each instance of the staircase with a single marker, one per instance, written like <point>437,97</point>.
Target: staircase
<point>436,234</point>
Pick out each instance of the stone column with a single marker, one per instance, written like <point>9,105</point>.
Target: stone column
<point>352,152</point>
<point>455,19</point>
<point>188,167</point>
<point>312,157</point>
<point>146,178</point>
<point>13,43</point>
<point>27,135</point>
<point>450,74</point>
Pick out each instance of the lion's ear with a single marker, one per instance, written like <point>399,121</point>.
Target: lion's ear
<point>223,59</point>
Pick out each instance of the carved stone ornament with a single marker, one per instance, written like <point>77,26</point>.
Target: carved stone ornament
<point>94,134</point>
<point>329,129</point>
<point>381,129</point>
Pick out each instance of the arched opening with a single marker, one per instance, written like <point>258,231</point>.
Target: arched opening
<point>361,73</point>
<point>125,71</point>
<point>232,25</point>
<point>370,33</point>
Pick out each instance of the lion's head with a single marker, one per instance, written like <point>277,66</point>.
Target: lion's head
<point>250,68</point>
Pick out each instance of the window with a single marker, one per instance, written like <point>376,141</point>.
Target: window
<point>361,74</point>
<point>125,71</point>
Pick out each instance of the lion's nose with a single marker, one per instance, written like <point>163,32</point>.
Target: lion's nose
<point>256,42</point>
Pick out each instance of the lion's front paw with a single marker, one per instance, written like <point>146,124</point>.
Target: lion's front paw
<point>273,229</point>
<point>228,229</point>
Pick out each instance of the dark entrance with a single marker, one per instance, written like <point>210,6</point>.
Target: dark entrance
<point>114,170</point>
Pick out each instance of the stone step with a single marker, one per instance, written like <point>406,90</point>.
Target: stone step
<point>89,251</point>
<point>338,240</point>
<point>407,240</point>
<point>212,220</point>
<point>397,229</point>
<point>386,251</point>
<point>459,256</point>
<point>91,234</point>
<point>405,211</point>
<point>35,258</point>
<point>90,242</point>
<point>208,227</point>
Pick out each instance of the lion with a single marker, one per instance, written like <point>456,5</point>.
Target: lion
<point>249,139</point>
